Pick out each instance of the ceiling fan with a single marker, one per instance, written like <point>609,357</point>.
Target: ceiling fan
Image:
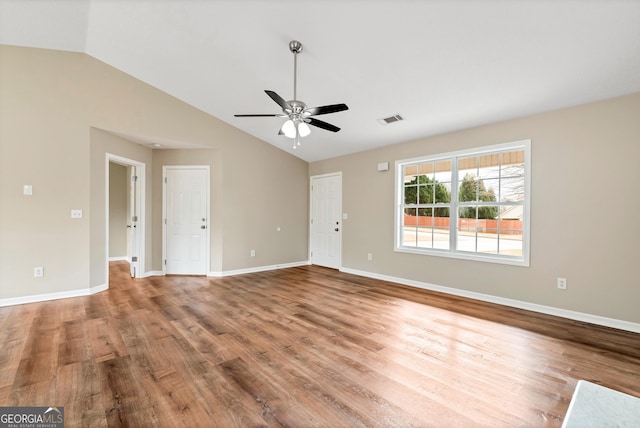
<point>298,115</point>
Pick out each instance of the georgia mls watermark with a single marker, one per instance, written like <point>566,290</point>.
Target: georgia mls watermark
<point>31,417</point>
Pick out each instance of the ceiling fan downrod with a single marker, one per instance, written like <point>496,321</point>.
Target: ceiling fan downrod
<point>295,47</point>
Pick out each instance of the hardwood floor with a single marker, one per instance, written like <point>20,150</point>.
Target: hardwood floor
<point>300,347</point>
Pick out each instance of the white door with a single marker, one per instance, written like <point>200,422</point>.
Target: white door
<point>134,212</point>
<point>326,223</point>
<point>186,220</point>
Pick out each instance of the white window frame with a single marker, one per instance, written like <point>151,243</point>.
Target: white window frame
<point>523,260</point>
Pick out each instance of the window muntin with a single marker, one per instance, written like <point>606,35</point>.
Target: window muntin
<point>426,193</point>
<point>469,204</point>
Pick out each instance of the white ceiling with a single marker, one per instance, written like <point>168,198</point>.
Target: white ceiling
<point>442,65</point>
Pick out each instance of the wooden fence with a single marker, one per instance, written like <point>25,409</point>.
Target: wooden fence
<point>507,227</point>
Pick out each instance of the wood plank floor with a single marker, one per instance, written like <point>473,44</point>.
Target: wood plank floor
<point>300,347</point>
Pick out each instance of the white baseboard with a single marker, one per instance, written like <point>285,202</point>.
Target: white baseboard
<point>153,273</point>
<point>549,310</point>
<point>98,288</point>
<point>219,274</point>
<point>52,296</point>
<point>257,269</point>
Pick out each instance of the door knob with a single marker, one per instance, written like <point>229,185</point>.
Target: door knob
<point>203,227</point>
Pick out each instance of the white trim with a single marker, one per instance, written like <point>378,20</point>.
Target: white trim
<point>257,269</point>
<point>153,273</point>
<point>467,152</point>
<point>328,174</point>
<point>12,301</point>
<point>119,259</point>
<point>534,307</point>
<point>140,236</point>
<point>476,257</point>
<point>98,289</point>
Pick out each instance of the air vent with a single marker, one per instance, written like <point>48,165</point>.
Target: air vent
<point>390,119</point>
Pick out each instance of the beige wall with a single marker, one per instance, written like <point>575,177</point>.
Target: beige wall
<point>56,109</point>
<point>583,205</point>
<point>118,208</point>
<point>253,192</point>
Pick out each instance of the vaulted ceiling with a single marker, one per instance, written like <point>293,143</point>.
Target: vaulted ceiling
<point>441,65</point>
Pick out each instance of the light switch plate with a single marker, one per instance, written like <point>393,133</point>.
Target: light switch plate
<point>76,213</point>
<point>27,190</point>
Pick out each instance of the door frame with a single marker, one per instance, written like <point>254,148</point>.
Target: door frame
<point>140,197</point>
<point>165,168</point>
<point>311,178</point>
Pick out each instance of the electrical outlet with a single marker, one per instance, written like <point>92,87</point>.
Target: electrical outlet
<point>253,253</point>
<point>562,283</point>
<point>38,272</point>
<point>369,256</point>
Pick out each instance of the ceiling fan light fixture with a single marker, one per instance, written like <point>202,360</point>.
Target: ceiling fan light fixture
<point>289,129</point>
<point>303,129</point>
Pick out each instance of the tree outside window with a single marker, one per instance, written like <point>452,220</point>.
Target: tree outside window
<point>473,190</point>
<point>423,190</point>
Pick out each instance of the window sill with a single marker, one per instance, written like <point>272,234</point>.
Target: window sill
<point>486,258</point>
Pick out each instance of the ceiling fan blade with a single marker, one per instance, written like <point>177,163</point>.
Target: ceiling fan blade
<point>278,99</point>
<point>334,108</point>
<point>260,115</point>
<point>322,124</point>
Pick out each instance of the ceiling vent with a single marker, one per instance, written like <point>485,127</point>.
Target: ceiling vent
<point>390,119</point>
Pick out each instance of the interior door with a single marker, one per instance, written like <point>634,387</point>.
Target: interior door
<point>134,208</point>
<point>133,213</point>
<point>186,208</point>
<point>326,221</point>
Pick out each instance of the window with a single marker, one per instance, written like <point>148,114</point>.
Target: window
<point>472,204</point>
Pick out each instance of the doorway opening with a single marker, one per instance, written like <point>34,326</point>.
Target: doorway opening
<point>125,212</point>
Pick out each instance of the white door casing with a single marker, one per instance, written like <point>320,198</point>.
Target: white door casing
<point>136,240</point>
<point>326,220</point>
<point>186,220</point>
